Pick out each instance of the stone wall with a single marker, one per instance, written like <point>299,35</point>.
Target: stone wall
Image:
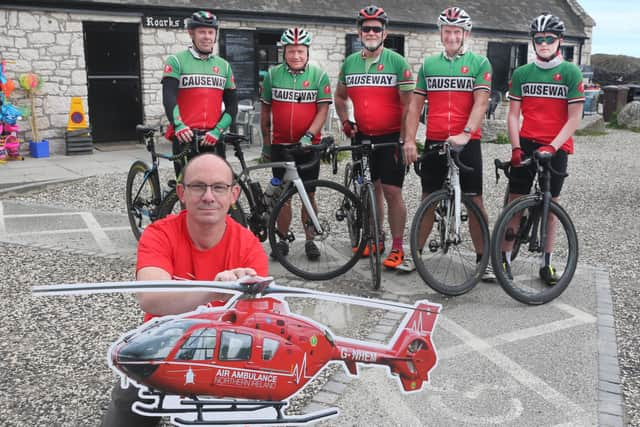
<point>51,45</point>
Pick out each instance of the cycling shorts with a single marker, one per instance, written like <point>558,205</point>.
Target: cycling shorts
<point>278,155</point>
<point>386,164</point>
<point>522,178</point>
<point>177,148</point>
<point>434,169</point>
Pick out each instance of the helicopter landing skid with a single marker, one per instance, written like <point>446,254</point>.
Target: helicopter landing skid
<point>198,407</point>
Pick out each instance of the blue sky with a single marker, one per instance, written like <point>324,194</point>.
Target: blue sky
<point>617,29</point>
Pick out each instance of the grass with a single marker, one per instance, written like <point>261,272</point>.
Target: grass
<point>590,132</point>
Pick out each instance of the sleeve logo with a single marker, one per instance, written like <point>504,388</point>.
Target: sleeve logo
<point>581,87</point>
<point>167,68</point>
<point>487,76</point>
<point>327,89</point>
<point>407,74</point>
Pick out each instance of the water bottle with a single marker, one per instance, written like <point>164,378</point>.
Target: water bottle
<point>272,192</point>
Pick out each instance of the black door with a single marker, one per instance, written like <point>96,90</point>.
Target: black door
<point>237,47</point>
<point>504,58</point>
<point>112,52</point>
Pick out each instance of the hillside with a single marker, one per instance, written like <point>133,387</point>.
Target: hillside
<point>615,69</point>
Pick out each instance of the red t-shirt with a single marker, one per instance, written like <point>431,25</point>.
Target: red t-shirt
<point>166,244</point>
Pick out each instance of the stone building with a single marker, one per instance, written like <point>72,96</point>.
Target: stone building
<point>110,53</point>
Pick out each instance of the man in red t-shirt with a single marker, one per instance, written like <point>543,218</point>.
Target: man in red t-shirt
<point>200,243</point>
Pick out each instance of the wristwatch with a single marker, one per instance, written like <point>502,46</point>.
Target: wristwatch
<point>467,130</point>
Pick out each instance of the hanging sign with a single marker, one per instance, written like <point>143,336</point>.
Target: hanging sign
<point>177,22</point>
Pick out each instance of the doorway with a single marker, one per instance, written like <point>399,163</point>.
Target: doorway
<point>112,55</point>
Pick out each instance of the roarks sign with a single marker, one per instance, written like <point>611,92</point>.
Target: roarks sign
<point>164,22</point>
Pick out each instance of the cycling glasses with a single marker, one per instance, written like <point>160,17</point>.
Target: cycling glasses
<point>545,39</point>
<point>366,29</point>
<point>218,189</point>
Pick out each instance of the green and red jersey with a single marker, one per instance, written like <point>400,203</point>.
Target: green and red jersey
<point>166,244</point>
<point>201,83</point>
<point>449,85</point>
<point>373,86</point>
<point>294,98</point>
<point>544,96</point>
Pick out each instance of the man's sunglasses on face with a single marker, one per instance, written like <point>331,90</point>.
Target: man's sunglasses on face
<point>366,29</point>
<point>545,39</point>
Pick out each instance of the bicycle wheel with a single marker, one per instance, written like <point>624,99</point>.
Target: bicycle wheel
<point>372,233</point>
<point>353,221</point>
<point>142,195</point>
<point>334,205</point>
<point>525,284</point>
<point>170,205</point>
<point>446,260</point>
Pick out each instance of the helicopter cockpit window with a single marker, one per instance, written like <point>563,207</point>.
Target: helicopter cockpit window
<point>156,342</point>
<point>269,348</point>
<point>199,346</point>
<point>234,346</point>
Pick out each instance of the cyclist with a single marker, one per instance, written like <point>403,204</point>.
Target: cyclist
<point>378,82</point>
<point>195,84</point>
<point>549,94</point>
<point>295,100</point>
<point>200,243</point>
<point>456,83</point>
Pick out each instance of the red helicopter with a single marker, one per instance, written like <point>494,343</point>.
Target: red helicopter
<point>252,353</point>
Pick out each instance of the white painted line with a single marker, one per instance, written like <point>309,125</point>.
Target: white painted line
<point>3,230</point>
<point>65,231</point>
<point>575,312</point>
<point>564,404</point>
<point>43,215</point>
<point>103,241</point>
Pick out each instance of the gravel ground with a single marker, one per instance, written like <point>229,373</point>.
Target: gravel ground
<point>601,195</point>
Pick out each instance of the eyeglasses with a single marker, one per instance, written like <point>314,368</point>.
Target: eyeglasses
<point>366,29</point>
<point>218,189</point>
<point>545,39</point>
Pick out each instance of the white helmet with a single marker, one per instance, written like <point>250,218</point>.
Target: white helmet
<point>456,17</point>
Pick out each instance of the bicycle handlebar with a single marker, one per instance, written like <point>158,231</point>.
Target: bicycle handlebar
<point>505,166</point>
<point>366,147</point>
<point>438,148</point>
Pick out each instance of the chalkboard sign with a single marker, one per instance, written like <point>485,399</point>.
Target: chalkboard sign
<point>237,47</point>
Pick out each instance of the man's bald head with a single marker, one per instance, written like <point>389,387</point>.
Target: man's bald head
<point>208,162</point>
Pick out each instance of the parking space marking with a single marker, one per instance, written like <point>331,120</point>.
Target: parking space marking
<point>516,371</point>
<point>101,238</point>
<point>65,231</point>
<point>3,230</point>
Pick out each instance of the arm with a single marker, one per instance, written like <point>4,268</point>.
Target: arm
<point>416,103</point>
<point>320,118</point>
<point>265,123</point>
<point>170,102</point>
<point>480,104</point>
<point>513,123</point>
<point>569,128</point>
<point>230,100</point>
<point>341,100</point>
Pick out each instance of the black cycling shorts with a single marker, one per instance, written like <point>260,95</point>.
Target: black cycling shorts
<point>434,169</point>
<point>278,155</point>
<point>522,178</point>
<point>386,164</point>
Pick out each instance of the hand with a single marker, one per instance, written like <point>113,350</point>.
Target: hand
<point>516,157</point>
<point>459,141</point>
<point>266,153</point>
<point>547,149</point>
<point>211,137</point>
<point>234,274</point>
<point>183,133</point>
<point>410,152</point>
<point>307,139</point>
<point>349,128</point>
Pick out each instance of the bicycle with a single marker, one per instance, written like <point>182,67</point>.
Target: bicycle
<point>364,229</point>
<point>448,263</point>
<point>322,222</point>
<point>523,225</point>
<point>147,201</point>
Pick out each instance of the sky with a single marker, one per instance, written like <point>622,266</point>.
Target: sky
<point>617,29</point>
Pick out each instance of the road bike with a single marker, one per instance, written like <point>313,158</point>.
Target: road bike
<point>303,211</point>
<point>364,229</point>
<point>443,247</point>
<point>524,228</point>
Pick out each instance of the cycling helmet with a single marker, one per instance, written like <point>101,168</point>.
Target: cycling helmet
<point>547,23</point>
<point>202,18</point>
<point>372,12</point>
<point>295,36</point>
<point>456,17</point>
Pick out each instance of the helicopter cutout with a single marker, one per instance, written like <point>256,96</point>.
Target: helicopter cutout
<point>241,363</point>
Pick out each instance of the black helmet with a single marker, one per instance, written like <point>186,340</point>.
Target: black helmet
<point>547,23</point>
<point>202,18</point>
<point>372,12</point>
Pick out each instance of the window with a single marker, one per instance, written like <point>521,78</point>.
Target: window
<point>156,341</point>
<point>567,53</point>
<point>505,58</point>
<point>269,348</point>
<point>393,41</point>
<point>199,346</point>
<point>235,346</point>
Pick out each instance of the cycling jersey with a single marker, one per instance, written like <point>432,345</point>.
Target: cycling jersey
<point>201,83</point>
<point>449,85</point>
<point>373,87</point>
<point>544,96</point>
<point>294,98</point>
